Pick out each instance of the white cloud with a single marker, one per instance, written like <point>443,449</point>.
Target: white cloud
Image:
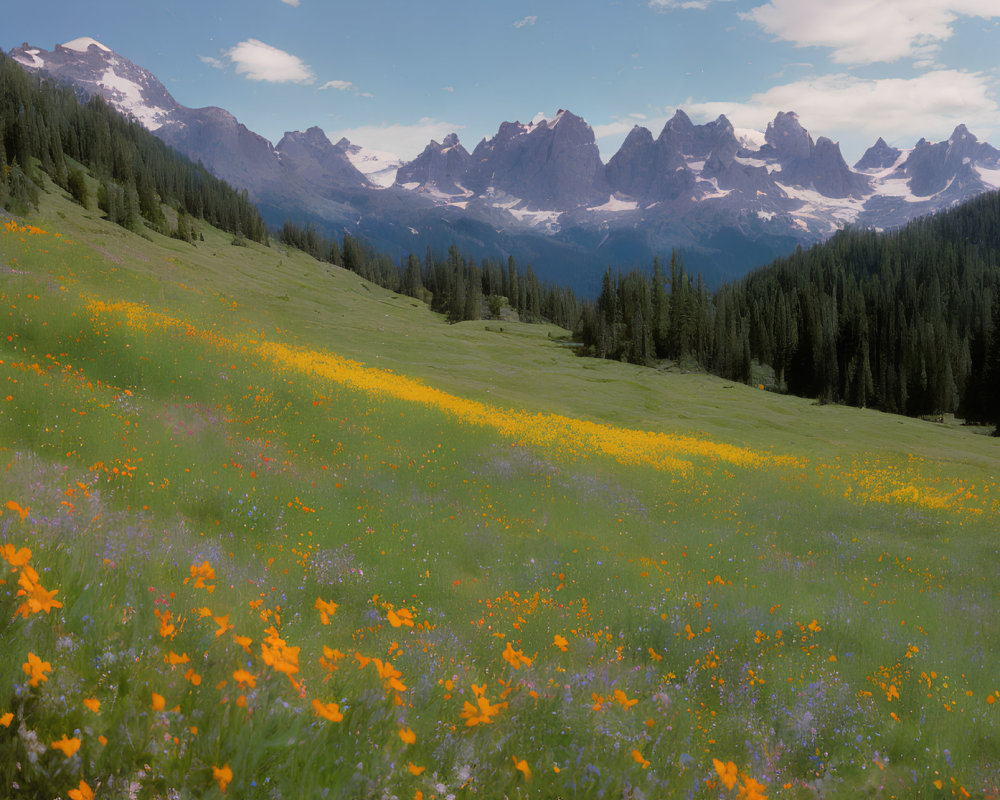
<point>611,135</point>
<point>344,86</point>
<point>842,106</point>
<point>262,62</point>
<point>340,86</point>
<point>868,31</point>
<point>292,3</point>
<point>212,62</point>
<point>527,21</point>
<point>616,130</point>
<point>673,5</point>
<point>450,89</point>
<point>405,141</point>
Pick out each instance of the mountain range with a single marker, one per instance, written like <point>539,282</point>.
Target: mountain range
<point>729,198</point>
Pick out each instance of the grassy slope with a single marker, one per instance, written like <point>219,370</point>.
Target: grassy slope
<point>862,548</point>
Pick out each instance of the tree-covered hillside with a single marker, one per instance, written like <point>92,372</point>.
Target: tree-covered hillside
<point>45,126</point>
<point>904,321</point>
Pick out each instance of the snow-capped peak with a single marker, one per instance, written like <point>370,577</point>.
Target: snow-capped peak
<point>91,64</point>
<point>749,138</point>
<point>379,166</point>
<point>540,120</point>
<point>84,43</point>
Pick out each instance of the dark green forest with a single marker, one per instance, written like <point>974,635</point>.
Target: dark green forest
<point>454,285</point>
<point>906,321</point>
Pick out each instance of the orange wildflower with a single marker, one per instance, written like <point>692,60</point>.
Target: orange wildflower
<point>278,655</point>
<point>407,735</point>
<point>223,623</point>
<point>6,719</point>
<point>622,698</point>
<point>752,790</point>
<point>200,575</point>
<point>159,703</point>
<point>244,678</point>
<point>390,675</point>
<point>330,711</point>
<point>37,597</point>
<point>560,642</point>
<point>727,772</point>
<point>84,792</point>
<point>481,713</point>
<point>167,628</point>
<point>414,769</point>
<point>35,669</point>
<point>398,617</point>
<point>522,767</point>
<point>637,757</point>
<point>93,704</point>
<point>68,745</point>
<point>515,657</point>
<point>23,511</point>
<point>16,558</point>
<point>326,610</point>
<point>224,776</point>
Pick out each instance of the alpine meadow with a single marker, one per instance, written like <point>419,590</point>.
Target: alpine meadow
<point>272,530</point>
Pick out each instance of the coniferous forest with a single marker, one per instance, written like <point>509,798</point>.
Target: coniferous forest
<point>904,321</point>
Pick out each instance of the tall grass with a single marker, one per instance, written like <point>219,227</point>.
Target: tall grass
<point>549,579</point>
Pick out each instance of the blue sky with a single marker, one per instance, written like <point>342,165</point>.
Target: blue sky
<point>392,74</point>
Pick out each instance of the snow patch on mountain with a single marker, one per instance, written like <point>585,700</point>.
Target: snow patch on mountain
<point>749,139</point>
<point>820,212</point>
<point>30,59</point>
<point>379,166</point>
<point>616,203</point>
<point>129,99</point>
<point>539,121</point>
<point>84,43</point>
<point>546,220</point>
<point>991,177</point>
<point>898,187</point>
<point>715,192</point>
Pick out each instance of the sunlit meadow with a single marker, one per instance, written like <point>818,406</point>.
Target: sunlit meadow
<point>269,532</point>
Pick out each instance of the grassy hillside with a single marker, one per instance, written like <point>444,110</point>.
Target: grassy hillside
<point>308,540</point>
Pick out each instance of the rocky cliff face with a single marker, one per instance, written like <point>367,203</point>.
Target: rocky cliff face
<point>548,164</point>
<point>439,169</point>
<point>315,159</point>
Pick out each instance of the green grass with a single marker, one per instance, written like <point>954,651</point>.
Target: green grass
<point>144,445</point>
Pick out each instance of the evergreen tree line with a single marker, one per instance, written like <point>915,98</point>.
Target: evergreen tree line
<point>45,127</point>
<point>905,321</point>
<point>455,285</point>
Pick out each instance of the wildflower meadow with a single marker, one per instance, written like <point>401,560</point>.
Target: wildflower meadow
<point>270,532</point>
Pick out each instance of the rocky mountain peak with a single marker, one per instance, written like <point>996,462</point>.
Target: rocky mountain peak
<point>311,154</point>
<point>438,170</point>
<point>549,164</point>
<point>99,70</point>
<point>879,156</point>
<point>787,139</point>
